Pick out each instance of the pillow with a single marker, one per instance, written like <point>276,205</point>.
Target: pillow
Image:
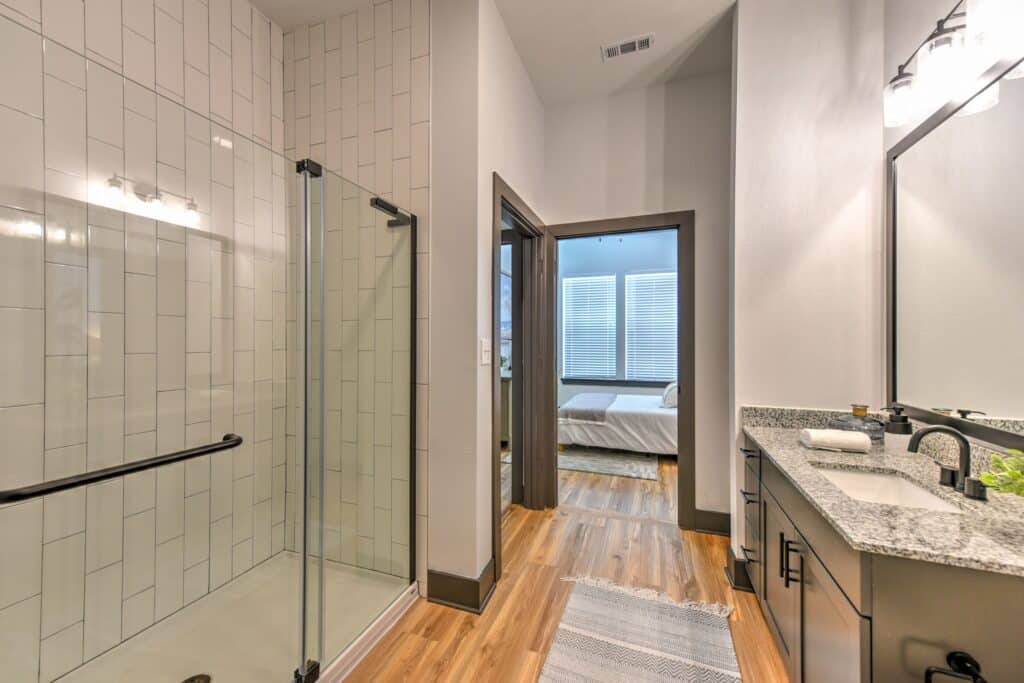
<point>670,397</point>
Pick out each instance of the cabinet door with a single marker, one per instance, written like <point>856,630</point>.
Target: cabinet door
<point>834,637</point>
<point>781,593</point>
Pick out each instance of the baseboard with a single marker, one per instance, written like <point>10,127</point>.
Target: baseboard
<point>711,522</point>
<point>460,592</point>
<point>736,572</point>
<point>349,659</point>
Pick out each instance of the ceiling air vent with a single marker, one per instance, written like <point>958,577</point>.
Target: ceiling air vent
<point>625,47</point>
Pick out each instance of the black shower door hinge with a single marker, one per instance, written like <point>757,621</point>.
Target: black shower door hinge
<point>308,673</point>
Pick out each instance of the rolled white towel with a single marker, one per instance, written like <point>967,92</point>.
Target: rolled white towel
<point>835,440</point>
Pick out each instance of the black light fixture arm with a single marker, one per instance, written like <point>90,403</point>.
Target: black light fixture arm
<point>940,27</point>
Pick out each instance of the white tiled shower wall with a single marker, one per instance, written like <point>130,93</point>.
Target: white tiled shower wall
<point>357,100</point>
<point>122,337</point>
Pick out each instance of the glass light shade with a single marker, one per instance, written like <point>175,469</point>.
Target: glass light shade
<point>942,67</point>
<point>986,99</point>
<point>899,101</point>
<point>995,28</point>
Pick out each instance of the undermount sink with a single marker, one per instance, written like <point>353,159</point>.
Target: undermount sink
<point>882,487</point>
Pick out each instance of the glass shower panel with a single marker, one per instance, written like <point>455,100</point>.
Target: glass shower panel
<point>368,459</point>
<point>147,314</point>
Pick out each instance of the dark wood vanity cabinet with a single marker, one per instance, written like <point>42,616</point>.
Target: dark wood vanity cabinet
<point>820,633</point>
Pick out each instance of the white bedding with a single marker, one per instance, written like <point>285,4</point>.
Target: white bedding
<point>633,422</point>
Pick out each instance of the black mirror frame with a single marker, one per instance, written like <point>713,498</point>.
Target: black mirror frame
<point>982,432</point>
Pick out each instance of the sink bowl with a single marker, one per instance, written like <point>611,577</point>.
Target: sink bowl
<point>882,487</point>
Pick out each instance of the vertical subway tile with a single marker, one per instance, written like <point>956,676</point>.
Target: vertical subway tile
<point>170,55</point>
<point>103,29</point>
<point>102,610</point>
<point>106,432</point>
<point>106,354</point>
<point>21,536</point>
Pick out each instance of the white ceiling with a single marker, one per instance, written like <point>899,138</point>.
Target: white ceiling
<point>290,13</point>
<point>559,42</point>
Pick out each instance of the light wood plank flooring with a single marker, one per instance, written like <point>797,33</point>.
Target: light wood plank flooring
<point>612,527</point>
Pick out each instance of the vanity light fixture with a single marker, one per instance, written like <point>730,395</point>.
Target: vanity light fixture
<point>123,194</point>
<point>973,36</point>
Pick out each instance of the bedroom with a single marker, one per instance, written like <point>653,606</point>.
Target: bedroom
<point>617,372</point>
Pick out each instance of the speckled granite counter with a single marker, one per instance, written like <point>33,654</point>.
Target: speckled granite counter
<point>988,536</point>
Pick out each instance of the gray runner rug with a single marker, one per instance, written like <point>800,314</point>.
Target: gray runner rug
<point>636,465</point>
<point>609,633</point>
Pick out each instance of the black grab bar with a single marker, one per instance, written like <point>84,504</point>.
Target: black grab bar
<point>86,478</point>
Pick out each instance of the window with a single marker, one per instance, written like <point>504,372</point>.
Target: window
<point>588,327</point>
<point>651,327</point>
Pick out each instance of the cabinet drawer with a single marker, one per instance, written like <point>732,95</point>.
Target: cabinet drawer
<point>750,492</point>
<point>752,457</point>
<point>752,546</point>
<point>850,568</point>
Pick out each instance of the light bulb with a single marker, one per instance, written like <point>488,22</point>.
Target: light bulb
<point>898,101</point>
<point>942,66</point>
<point>191,215</point>
<point>114,192</point>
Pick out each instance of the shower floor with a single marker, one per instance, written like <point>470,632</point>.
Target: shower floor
<point>247,630</point>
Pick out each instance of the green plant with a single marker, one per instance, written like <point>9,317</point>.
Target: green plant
<point>1007,473</point>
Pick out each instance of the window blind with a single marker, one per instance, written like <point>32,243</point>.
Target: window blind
<point>651,327</point>
<point>588,327</point>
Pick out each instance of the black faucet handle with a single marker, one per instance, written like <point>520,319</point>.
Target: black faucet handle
<point>965,413</point>
<point>948,476</point>
<point>975,489</point>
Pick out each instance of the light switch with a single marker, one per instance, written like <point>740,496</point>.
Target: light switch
<point>485,351</point>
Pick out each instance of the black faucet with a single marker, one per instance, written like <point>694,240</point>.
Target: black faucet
<point>960,479</point>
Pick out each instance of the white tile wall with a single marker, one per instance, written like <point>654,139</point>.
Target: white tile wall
<point>357,99</point>
<point>122,337</point>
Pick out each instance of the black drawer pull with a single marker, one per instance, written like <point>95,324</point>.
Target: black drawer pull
<point>749,497</point>
<point>746,554</point>
<point>787,574</point>
<point>750,453</point>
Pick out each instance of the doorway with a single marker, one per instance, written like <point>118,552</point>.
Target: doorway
<point>521,408</point>
<point>645,379</point>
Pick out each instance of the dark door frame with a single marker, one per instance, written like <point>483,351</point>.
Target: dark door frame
<point>532,420</point>
<point>689,517</point>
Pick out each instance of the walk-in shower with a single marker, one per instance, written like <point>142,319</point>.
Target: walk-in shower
<point>207,412</point>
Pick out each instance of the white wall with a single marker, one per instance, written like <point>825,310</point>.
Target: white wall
<point>511,142</point>
<point>650,150</point>
<point>808,206</point>
<point>455,525</point>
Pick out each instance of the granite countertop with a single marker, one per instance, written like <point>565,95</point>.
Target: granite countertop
<point>988,536</point>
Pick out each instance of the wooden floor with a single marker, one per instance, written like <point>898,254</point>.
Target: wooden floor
<point>612,527</point>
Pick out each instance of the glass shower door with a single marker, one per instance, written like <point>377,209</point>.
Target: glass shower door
<point>360,460</point>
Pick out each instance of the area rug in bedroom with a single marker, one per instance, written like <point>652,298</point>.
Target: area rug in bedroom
<point>614,633</point>
<point>635,465</point>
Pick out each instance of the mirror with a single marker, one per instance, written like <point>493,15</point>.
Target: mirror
<point>957,326</point>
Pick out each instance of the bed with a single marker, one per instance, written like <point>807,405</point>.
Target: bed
<point>625,422</point>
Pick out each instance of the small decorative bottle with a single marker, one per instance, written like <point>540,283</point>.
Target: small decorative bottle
<point>858,421</point>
